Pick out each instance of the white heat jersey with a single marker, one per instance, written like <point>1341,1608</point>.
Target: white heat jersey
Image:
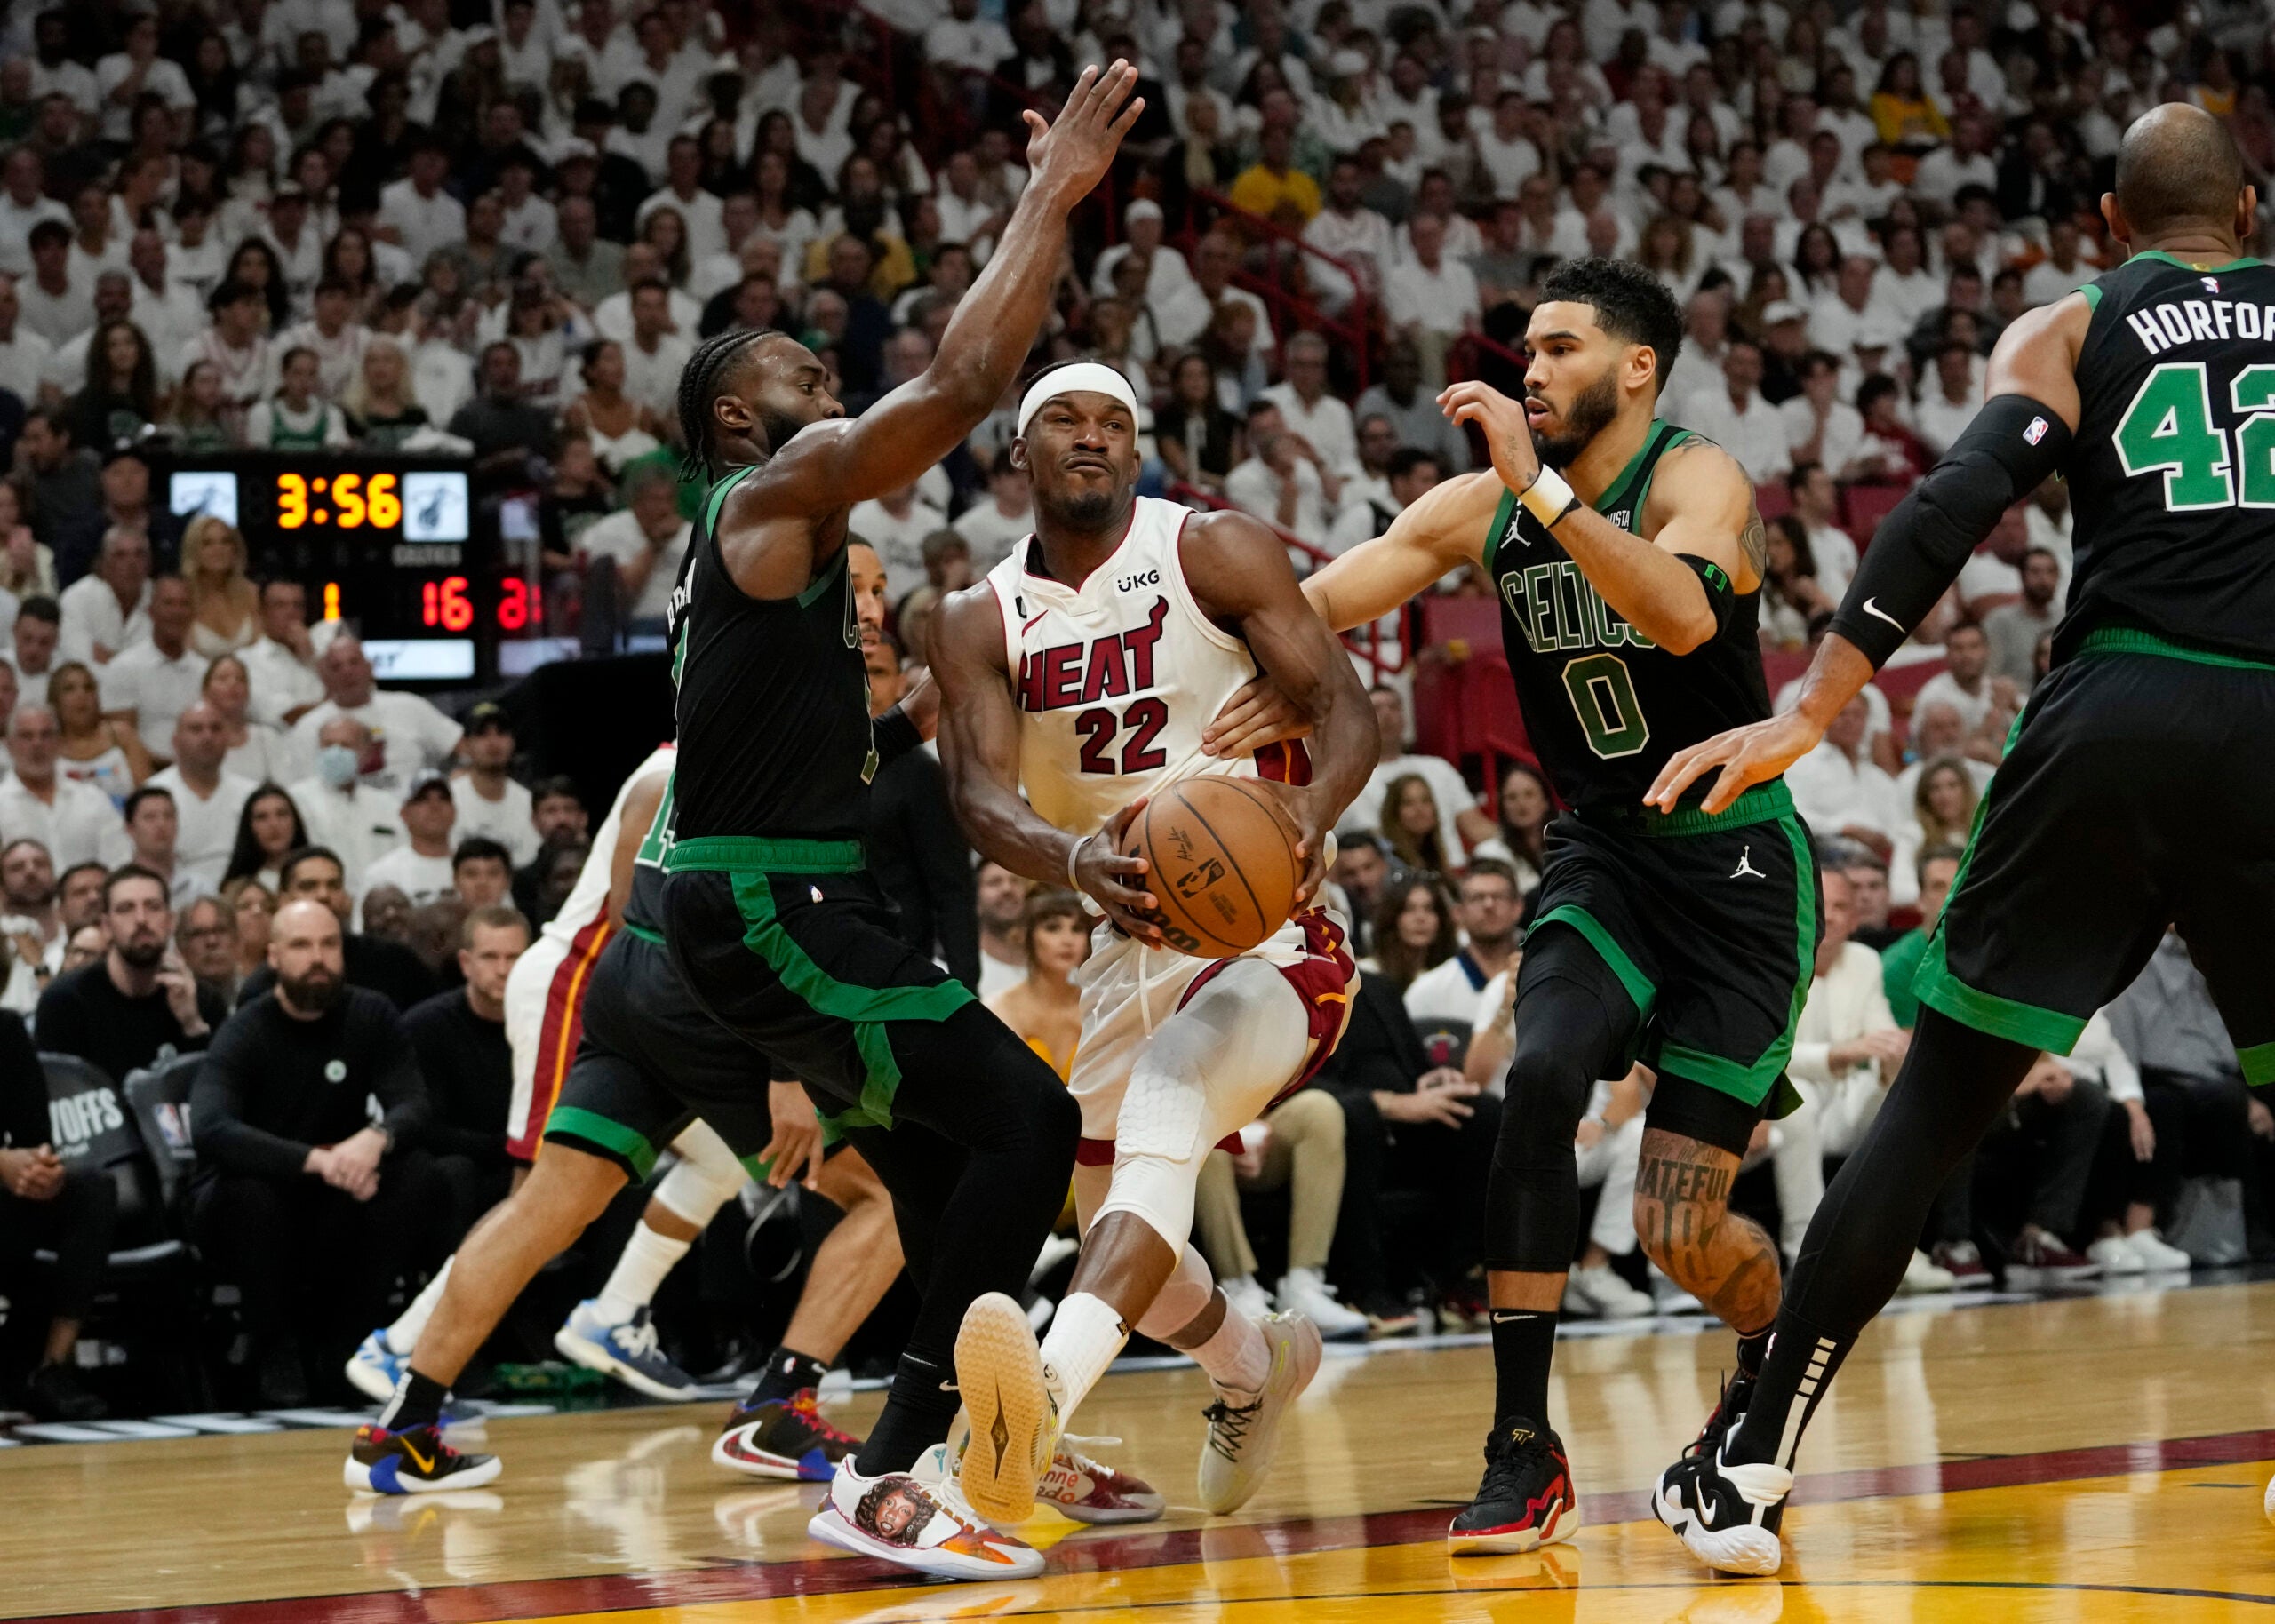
<point>588,899</point>
<point>1116,679</point>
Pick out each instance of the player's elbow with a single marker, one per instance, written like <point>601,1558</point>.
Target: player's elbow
<point>1684,631</point>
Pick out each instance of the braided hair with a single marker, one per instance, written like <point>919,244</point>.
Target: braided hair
<point>699,389</point>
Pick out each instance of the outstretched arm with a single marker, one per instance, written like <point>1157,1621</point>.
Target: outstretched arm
<point>979,750</point>
<point>2021,435</point>
<point>1442,532</point>
<point>832,464</point>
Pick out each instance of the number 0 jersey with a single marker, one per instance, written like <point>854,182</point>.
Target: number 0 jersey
<point>1114,679</point>
<point>1604,705</point>
<point>2174,449</point>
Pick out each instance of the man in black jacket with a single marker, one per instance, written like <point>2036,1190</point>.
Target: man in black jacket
<point>301,1197</point>
<point>315,873</point>
<point>460,1037</point>
<point>139,1004</point>
<point>916,849</point>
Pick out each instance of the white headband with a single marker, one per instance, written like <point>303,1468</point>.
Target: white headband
<point>1087,376</point>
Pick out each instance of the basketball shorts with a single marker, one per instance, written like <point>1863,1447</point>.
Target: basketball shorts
<point>791,945</point>
<point>650,1061</point>
<point>1711,922</point>
<point>2138,792</point>
<point>545,998</point>
<point>1129,990</point>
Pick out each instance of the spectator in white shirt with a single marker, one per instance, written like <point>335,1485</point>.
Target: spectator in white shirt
<point>647,539</point>
<point>24,203</point>
<point>1432,297</point>
<point>993,525</point>
<point>1346,229</point>
<point>419,865</point>
<point>1816,503</point>
<point>2062,271</point>
<point>1367,511</point>
<point>23,353</point>
<point>1840,791</point>
<point>1322,420</point>
<point>153,835</point>
<point>656,352</point>
<point>1443,1002</point>
<point>1461,824</point>
<point>415,212</point>
<point>1284,481</point>
<point>408,734</point>
<point>207,799</point>
<point>895,525</point>
<point>1820,426</point>
<point>148,684</point>
<point>76,821</point>
<point>1736,418</point>
<point>355,821</point>
<point>107,610</point>
<point>280,663</point>
<point>1986,704</point>
<point>490,803</point>
<point>53,303</point>
<point>1951,400</point>
<point>700,210</point>
<point>965,42</point>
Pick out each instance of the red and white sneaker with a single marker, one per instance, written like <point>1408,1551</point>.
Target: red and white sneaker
<point>1090,1492</point>
<point>918,1521</point>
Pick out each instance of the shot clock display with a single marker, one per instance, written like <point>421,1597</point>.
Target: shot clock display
<point>396,546</point>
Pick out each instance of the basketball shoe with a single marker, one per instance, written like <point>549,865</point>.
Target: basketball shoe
<point>374,1368</point>
<point>1727,1515</point>
<point>783,1438</point>
<point>1074,1485</point>
<point>1525,1499</point>
<point>631,1352</point>
<point>413,1462</point>
<point>1244,1428</point>
<point>1014,1415</point>
<point>917,1520</point>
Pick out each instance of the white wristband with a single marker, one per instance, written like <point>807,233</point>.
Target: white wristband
<point>1075,855</point>
<point>1547,496</point>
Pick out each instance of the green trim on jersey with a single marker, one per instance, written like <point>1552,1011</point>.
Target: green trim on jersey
<point>718,499</point>
<point>2092,290</point>
<point>826,577</point>
<point>1758,805</point>
<point>2258,1064</point>
<point>1753,1083</point>
<point>867,1008</point>
<point>2125,640</point>
<point>1638,985</point>
<point>1680,437</point>
<point>2163,257</point>
<point>652,938</point>
<point>737,854</point>
<point>609,1135</point>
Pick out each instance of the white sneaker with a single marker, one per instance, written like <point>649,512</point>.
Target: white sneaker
<point>1599,1293</point>
<point>1090,1492</point>
<point>1306,1292</point>
<point>915,1520</point>
<point>375,1367</point>
<point>1014,1418</point>
<point>2116,1256</point>
<point>1248,1298</point>
<point>1921,1276</point>
<point>1243,1428</point>
<point>2157,1255</point>
<point>631,1352</point>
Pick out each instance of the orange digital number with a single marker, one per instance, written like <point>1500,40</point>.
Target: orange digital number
<point>385,507</point>
<point>292,501</point>
<point>348,499</point>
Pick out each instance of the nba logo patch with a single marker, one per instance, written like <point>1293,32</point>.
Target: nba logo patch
<point>2036,431</point>
<point>2211,283</point>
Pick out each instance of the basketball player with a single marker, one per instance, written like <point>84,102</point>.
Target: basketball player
<point>1083,670</point>
<point>772,919</point>
<point>2137,791</point>
<point>1628,559</point>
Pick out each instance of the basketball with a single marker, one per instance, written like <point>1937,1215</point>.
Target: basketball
<point>1224,862</point>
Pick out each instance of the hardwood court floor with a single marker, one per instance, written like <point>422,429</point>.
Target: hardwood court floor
<point>2090,1459</point>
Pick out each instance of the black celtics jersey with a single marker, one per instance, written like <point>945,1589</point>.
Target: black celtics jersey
<point>1606,706</point>
<point>2172,471</point>
<point>774,735</point>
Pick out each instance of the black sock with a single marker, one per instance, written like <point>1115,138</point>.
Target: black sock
<point>1524,1346</point>
<point>787,1373</point>
<point>917,1414</point>
<point>1752,1349</point>
<point>418,1402</point>
<point>1802,1364</point>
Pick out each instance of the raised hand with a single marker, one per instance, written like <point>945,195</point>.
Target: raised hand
<point>1071,156</point>
<point>1749,755</point>
<point>1508,433</point>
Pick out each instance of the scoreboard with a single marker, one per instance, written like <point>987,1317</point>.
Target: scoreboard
<point>396,546</point>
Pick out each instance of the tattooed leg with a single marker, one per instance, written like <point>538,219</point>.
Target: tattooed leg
<point>1682,1217</point>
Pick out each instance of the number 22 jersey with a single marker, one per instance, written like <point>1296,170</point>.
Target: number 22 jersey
<point>1604,705</point>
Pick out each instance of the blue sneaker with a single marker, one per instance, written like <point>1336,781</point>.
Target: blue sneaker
<point>375,1368</point>
<point>630,1352</point>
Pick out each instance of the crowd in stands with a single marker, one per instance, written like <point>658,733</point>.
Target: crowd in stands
<point>495,228</point>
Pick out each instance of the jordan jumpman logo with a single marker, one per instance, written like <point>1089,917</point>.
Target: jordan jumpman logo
<point>1745,866</point>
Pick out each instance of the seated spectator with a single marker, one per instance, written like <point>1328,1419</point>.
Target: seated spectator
<point>39,629</point>
<point>379,963</point>
<point>2013,630</point>
<point>1460,822</point>
<point>460,1037</point>
<point>1296,1146</point>
<point>895,525</point>
<point>1411,827</point>
<point>76,823</point>
<point>1940,812</point>
<point>489,802</point>
<point>280,663</point>
<point>64,484</point>
<point>296,418</point>
<point>109,609</point>
<point>1199,439</point>
<point>386,918</point>
<point>990,527</point>
<point>1522,810</point>
<point>504,430</point>
<point>72,1212</point>
<point>294,1176</point>
<point>558,816</point>
<point>1868,893</point>
<point>252,906</point>
<point>137,1004</point>
<point>1442,1002</point>
<point>1840,790</point>
<point>31,919</point>
<point>1002,900</point>
<point>269,829</point>
<point>1285,481</point>
<point>153,829</point>
<point>98,751</point>
<point>206,932</point>
<point>1413,931</point>
<point>420,865</point>
<point>410,735</point>
<point>1044,1007</point>
<point>1816,505</point>
<point>148,685</point>
<point>209,799</point>
<point>342,811</point>
<point>481,873</point>
<point>1986,704</point>
<point>1358,874</point>
<point>647,541</point>
<point>1791,596</point>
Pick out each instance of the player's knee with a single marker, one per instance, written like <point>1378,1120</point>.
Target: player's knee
<point>1546,1096</point>
<point>697,1187</point>
<point>1156,1190</point>
<point>1179,1301</point>
<point>566,1191</point>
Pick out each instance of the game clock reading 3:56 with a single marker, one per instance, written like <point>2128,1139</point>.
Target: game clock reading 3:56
<point>344,499</point>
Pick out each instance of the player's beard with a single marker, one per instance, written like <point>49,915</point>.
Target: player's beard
<point>1591,412</point>
<point>1084,512</point>
<point>778,427</point>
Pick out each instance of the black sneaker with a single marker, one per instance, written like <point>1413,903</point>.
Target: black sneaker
<point>1728,1516</point>
<point>785,1438</point>
<point>413,1462</point>
<point>1526,1500</point>
<point>1729,1410</point>
<point>53,1394</point>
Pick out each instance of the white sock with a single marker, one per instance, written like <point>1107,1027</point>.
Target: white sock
<point>1237,1357</point>
<point>403,1336</point>
<point>1085,1336</point>
<point>648,1257</point>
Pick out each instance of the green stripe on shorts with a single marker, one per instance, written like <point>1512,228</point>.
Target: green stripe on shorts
<point>1638,985</point>
<point>739,855</point>
<point>1758,805</point>
<point>867,1008</point>
<point>2258,1064</point>
<point>595,1129</point>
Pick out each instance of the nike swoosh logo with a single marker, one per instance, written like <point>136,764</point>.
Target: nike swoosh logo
<point>948,1387</point>
<point>424,1464</point>
<point>1873,608</point>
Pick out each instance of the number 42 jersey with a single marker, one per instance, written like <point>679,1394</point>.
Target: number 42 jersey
<point>2171,470</point>
<point>1604,705</point>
